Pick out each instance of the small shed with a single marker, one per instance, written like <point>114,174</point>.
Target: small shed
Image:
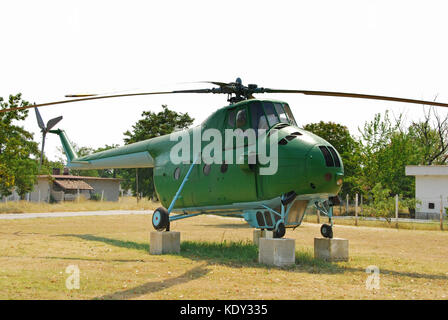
<point>431,189</point>
<point>67,187</point>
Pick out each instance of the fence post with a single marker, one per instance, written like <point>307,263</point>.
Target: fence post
<point>136,184</point>
<point>78,195</point>
<point>102,195</point>
<point>441,213</point>
<point>346,205</point>
<point>38,199</point>
<point>361,204</point>
<point>356,209</point>
<point>396,211</point>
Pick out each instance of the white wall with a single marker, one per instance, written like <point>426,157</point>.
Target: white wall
<point>111,188</point>
<point>44,186</point>
<point>428,190</point>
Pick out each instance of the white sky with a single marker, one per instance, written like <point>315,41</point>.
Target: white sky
<point>51,48</point>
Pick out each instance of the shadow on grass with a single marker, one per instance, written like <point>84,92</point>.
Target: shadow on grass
<point>245,254</point>
<point>155,286</point>
<point>228,226</point>
<point>113,242</point>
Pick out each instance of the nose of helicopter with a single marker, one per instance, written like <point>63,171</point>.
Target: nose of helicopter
<point>324,169</point>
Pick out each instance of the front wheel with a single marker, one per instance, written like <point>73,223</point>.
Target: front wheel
<point>280,232</point>
<point>160,219</point>
<point>326,231</point>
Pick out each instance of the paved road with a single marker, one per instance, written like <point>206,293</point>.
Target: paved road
<point>70,214</point>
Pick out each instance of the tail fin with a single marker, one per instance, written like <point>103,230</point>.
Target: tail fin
<point>69,151</point>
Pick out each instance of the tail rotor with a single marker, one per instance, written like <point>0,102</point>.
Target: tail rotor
<point>45,129</point>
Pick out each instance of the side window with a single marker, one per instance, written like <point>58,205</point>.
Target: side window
<point>290,115</point>
<point>281,113</point>
<point>258,118</point>
<point>270,114</point>
<point>241,119</point>
<point>231,118</point>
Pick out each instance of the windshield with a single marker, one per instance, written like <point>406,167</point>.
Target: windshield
<point>267,114</point>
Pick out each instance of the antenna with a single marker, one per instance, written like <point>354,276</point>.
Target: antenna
<point>45,129</point>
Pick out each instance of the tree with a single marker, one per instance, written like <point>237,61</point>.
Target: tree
<point>18,168</point>
<point>152,125</point>
<point>431,137</point>
<point>336,134</point>
<point>157,124</point>
<point>339,137</point>
<point>386,147</point>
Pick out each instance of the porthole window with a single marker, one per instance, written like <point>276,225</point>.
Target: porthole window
<point>206,169</point>
<point>177,173</point>
<point>224,167</point>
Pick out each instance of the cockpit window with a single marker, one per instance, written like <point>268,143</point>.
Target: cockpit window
<point>266,114</point>
<point>289,114</point>
<point>281,113</point>
<point>270,113</point>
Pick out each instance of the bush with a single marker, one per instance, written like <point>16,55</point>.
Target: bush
<point>95,197</point>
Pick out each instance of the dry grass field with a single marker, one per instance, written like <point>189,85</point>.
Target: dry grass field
<point>124,203</point>
<point>217,261</point>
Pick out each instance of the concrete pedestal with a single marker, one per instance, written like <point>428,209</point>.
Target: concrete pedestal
<point>277,252</point>
<point>164,242</point>
<point>335,249</point>
<point>262,234</point>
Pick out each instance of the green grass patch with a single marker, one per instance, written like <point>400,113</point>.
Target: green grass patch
<point>225,251</point>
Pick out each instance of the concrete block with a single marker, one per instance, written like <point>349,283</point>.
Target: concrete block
<point>335,249</point>
<point>262,234</point>
<point>164,242</point>
<point>277,252</point>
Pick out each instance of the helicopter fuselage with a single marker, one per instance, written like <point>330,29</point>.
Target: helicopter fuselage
<point>280,160</point>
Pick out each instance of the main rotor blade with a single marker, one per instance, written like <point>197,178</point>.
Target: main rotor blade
<point>108,97</point>
<point>40,122</point>
<point>356,95</point>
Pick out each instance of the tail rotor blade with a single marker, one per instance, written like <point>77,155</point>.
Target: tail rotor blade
<point>52,122</point>
<point>44,133</point>
<point>40,122</point>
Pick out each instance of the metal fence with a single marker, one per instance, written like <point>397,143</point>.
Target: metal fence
<point>353,209</point>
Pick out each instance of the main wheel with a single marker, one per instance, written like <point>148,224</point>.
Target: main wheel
<point>160,219</point>
<point>326,231</point>
<point>280,232</point>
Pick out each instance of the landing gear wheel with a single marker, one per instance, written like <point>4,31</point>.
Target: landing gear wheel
<point>280,232</point>
<point>160,219</point>
<point>326,231</point>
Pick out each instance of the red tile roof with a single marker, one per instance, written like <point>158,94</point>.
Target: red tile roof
<point>73,184</point>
